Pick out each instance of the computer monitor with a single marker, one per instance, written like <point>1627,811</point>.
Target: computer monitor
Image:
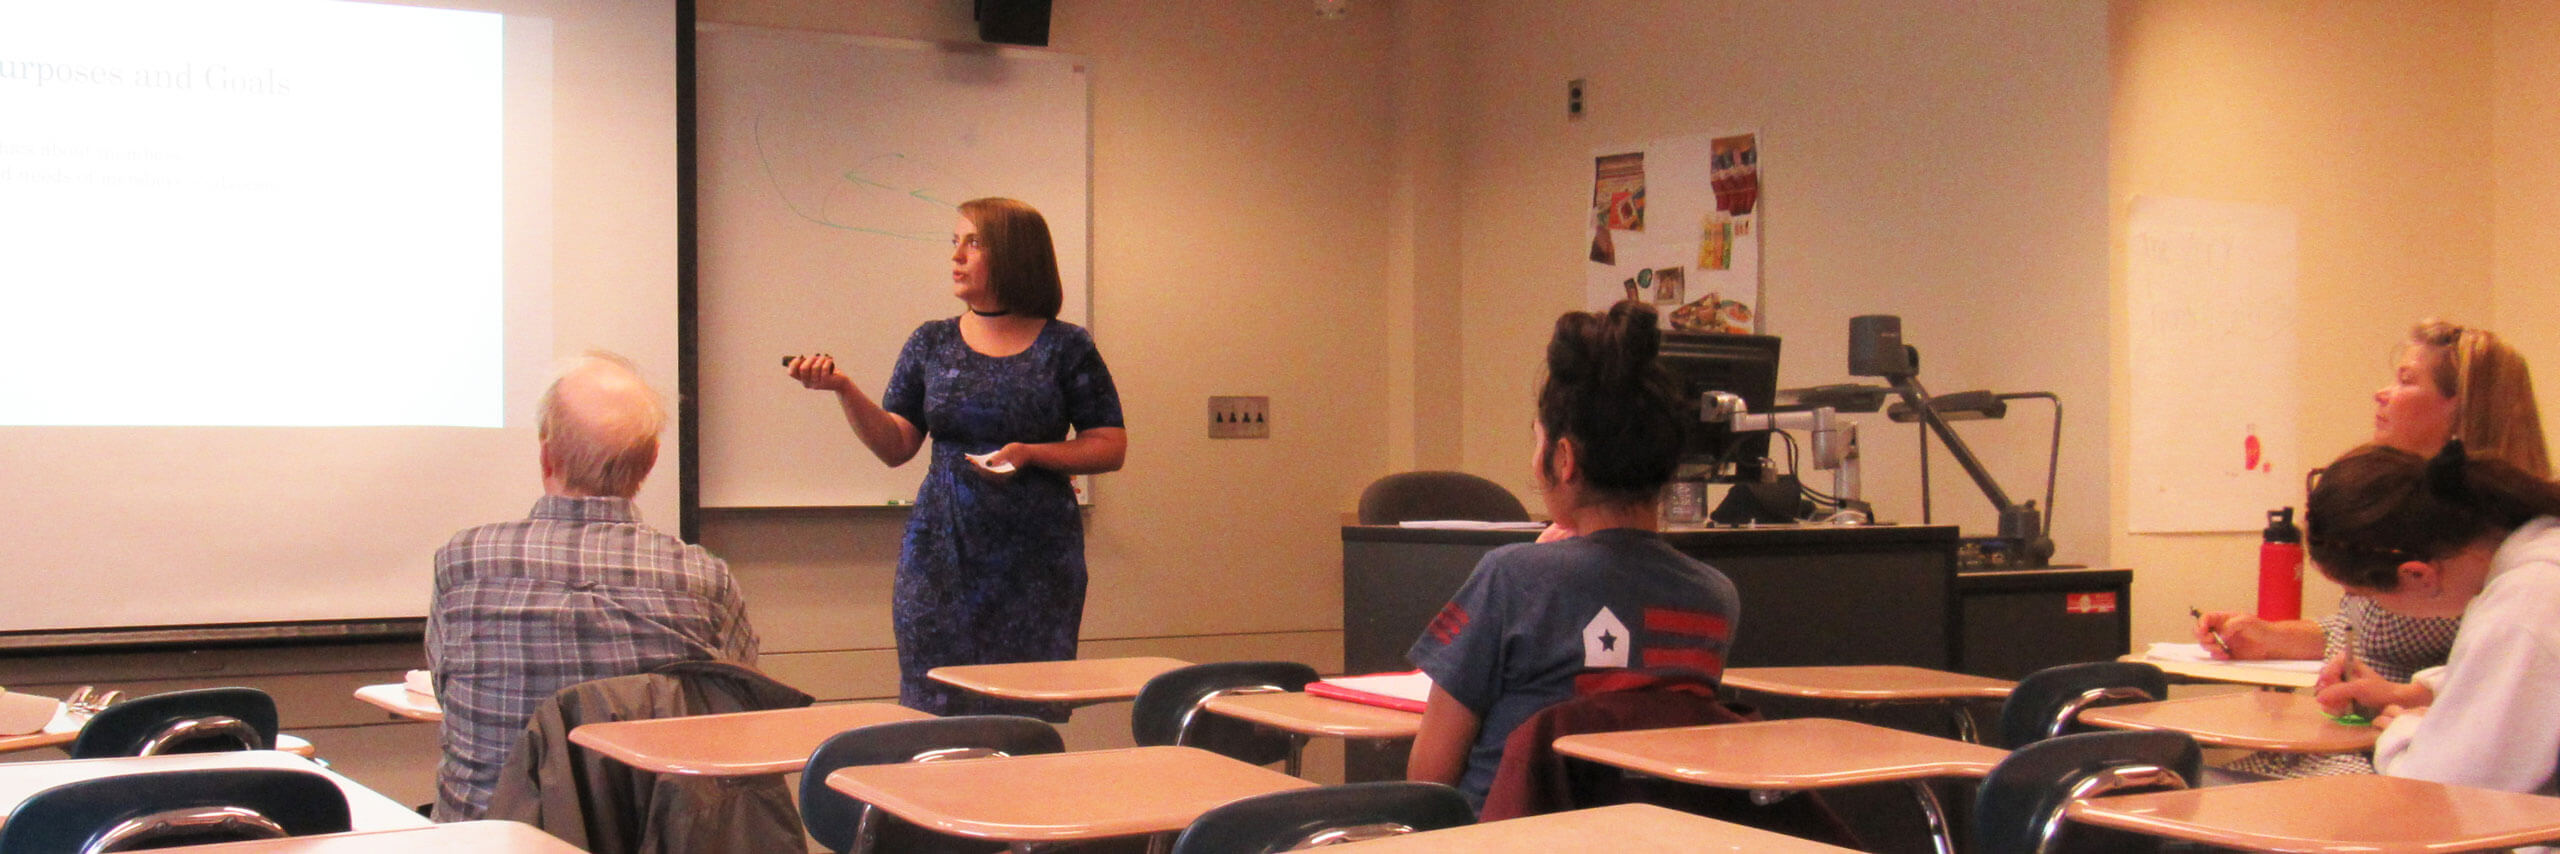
<point>1745,366</point>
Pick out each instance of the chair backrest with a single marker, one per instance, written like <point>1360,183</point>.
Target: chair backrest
<point>1416,495</point>
<point>1304,818</point>
<point>158,809</point>
<point>2048,701</point>
<point>2018,810</point>
<point>1167,710</point>
<point>199,721</point>
<point>837,821</point>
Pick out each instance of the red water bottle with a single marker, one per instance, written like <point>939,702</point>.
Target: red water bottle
<point>2280,568</point>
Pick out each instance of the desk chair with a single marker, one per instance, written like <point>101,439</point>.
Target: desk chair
<point>2048,702</point>
<point>160,809</point>
<point>2018,810</point>
<point>845,825</point>
<point>1331,815</point>
<point>1422,495</point>
<point>1168,710</point>
<point>199,721</point>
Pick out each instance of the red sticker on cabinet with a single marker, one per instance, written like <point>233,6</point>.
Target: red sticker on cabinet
<point>2089,603</point>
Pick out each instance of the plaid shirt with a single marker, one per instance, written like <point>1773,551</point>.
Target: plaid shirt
<point>581,590</point>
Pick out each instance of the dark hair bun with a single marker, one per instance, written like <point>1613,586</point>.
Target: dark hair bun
<point>1606,393</point>
<point>1615,350</point>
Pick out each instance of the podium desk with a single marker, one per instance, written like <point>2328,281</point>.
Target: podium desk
<point>2279,721</point>
<point>1796,753</point>
<point>2363,813</point>
<point>479,837</point>
<point>1075,682</point>
<point>397,699</point>
<point>1634,828</point>
<point>736,744</point>
<point>1059,797</point>
<point>367,809</point>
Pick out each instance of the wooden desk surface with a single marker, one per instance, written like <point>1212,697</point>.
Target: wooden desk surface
<point>777,741</point>
<point>397,699</point>
<point>1625,827</point>
<point>1796,753</point>
<point>369,809</point>
<point>2281,721</point>
<point>63,729</point>
<point>1308,714</point>
<point>1867,683</point>
<point>2356,812</point>
<point>479,837</point>
<point>1083,680</point>
<point>2238,674</point>
<point>1061,796</point>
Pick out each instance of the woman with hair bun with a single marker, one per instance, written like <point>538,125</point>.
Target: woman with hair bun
<point>2453,536</point>
<point>1535,620</point>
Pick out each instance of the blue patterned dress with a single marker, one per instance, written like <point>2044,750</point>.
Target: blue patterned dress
<point>991,571</point>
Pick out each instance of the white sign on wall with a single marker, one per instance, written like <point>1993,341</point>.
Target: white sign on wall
<point>2213,349</point>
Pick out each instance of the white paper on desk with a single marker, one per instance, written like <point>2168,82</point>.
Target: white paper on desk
<point>2195,652</point>
<point>1472,525</point>
<point>1414,686</point>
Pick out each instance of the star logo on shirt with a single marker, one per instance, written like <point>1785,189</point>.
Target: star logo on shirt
<point>1600,641</point>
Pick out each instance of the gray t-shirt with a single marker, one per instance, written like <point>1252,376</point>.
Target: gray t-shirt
<point>1534,617</point>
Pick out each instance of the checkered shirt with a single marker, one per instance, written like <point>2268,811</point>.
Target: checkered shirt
<point>581,590</point>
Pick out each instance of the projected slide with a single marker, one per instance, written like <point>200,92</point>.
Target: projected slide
<point>251,214</point>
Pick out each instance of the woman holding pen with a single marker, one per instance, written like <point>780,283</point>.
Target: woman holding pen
<point>2449,381</point>
<point>2446,536</point>
<point>992,566</point>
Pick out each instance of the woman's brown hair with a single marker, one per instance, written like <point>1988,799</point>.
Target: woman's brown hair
<point>1022,263</point>
<point>1605,391</point>
<point>2492,391</point>
<point>2379,507</point>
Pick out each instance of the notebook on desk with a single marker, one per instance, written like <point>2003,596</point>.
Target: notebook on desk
<point>2195,653</point>
<point>1407,691</point>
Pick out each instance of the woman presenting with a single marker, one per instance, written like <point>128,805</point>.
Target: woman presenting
<point>992,566</point>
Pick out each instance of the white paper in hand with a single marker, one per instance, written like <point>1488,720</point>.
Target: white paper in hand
<point>980,460</point>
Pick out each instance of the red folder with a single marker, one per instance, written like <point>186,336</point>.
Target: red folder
<point>1408,691</point>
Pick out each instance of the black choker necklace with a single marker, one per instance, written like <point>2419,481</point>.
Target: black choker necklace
<point>990,313</point>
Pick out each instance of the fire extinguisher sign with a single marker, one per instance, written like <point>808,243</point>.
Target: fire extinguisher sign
<point>2089,603</point>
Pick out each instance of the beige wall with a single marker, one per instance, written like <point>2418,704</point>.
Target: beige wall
<point>1243,165</point>
<point>1940,161</point>
<point>2525,282</point>
<point>2372,122</point>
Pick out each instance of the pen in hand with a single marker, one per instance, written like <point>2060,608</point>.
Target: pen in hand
<point>2216,634</point>
<point>2344,661</point>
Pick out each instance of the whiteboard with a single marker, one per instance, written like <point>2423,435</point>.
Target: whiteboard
<point>831,168</point>
<point>2211,299</point>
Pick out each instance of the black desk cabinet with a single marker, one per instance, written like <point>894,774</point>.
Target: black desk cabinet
<point>1810,596</point>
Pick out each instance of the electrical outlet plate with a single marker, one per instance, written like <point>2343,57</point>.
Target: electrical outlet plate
<point>1240,417</point>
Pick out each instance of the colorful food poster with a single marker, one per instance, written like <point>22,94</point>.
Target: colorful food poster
<point>1700,265</point>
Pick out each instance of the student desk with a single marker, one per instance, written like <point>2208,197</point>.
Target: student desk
<point>479,837</point>
<point>1077,682</point>
<point>1301,714</point>
<point>368,809</point>
<point>1625,827</point>
<point>2214,671</point>
<point>1058,797</point>
<point>2280,721</point>
<point>1876,685</point>
<point>2350,813</point>
<point>737,744</point>
<point>397,699</point>
<point>1797,753</point>
<point>63,729</point>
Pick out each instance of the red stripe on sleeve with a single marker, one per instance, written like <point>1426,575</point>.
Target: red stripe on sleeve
<point>1451,621</point>
<point>1691,623</point>
<point>1687,659</point>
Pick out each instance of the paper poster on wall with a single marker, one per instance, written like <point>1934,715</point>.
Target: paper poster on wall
<point>1675,223</point>
<point>2212,314</point>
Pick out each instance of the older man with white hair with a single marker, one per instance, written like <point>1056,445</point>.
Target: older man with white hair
<point>579,590</point>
